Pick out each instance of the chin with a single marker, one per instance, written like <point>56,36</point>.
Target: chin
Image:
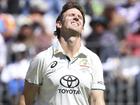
<point>75,33</point>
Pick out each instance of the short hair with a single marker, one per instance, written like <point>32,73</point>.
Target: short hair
<point>67,6</point>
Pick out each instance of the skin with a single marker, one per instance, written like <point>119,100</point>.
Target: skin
<point>97,97</point>
<point>71,28</point>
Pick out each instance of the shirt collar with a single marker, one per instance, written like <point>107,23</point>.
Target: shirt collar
<point>58,50</point>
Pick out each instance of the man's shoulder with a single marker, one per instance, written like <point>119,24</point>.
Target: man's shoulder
<point>90,54</point>
<point>45,54</point>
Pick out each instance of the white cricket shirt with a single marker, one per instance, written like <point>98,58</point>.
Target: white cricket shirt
<point>63,81</point>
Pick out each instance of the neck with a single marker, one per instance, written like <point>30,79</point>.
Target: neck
<point>71,45</point>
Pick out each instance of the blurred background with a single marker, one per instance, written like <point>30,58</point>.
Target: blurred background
<point>112,31</point>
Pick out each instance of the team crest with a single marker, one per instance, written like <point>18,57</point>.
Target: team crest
<point>83,62</point>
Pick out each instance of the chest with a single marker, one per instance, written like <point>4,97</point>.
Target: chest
<point>69,74</point>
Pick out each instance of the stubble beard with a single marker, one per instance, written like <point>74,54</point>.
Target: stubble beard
<point>70,35</point>
<point>74,32</point>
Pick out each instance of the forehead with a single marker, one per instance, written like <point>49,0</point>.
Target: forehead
<point>73,10</point>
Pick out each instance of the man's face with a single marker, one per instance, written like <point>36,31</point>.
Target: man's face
<point>73,20</point>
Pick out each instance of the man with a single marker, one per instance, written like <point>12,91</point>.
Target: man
<point>67,73</point>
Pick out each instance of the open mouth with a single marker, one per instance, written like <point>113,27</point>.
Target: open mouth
<point>75,23</point>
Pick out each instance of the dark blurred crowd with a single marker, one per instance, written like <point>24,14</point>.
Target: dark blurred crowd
<point>112,31</point>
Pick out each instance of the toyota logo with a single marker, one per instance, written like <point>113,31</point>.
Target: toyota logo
<point>69,81</point>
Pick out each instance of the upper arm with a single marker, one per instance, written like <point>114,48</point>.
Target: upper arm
<point>97,97</point>
<point>30,92</point>
<point>97,74</point>
<point>98,86</point>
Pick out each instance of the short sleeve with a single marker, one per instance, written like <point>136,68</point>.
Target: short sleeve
<point>97,74</point>
<point>34,73</point>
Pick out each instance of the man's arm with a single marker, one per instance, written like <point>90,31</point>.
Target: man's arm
<point>97,97</point>
<point>30,92</point>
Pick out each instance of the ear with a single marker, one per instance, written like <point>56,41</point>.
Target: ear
<point>58,24</point>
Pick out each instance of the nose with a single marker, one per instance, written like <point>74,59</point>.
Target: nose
<point>76,18</point>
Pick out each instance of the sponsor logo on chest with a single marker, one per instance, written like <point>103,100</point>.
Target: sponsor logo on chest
<point>69,82</point>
